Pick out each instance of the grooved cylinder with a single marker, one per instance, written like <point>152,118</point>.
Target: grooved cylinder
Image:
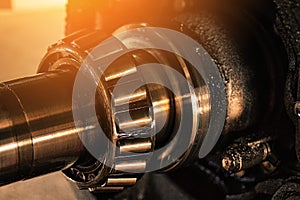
<point>37,132</point>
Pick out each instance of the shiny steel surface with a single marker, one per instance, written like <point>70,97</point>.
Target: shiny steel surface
<point>120,181</point>
<point>249,47</point>
<point>39,131</point>
<point>37,128</point>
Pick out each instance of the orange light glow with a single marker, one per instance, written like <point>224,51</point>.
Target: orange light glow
<point>37,4</point>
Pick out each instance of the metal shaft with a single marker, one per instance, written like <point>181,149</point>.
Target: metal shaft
<point>37,132</point>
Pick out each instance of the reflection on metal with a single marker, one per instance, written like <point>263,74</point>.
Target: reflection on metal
<point>119,74</point>
<point>137,166</point>
<point>121,181</point>
<point>135,145</point>
<point>58,135</point>
<point>128,124</point>
<point>8,147</point>
<point>39,133</point>
<point>37,127</point>
<point>244,154</point>
<point>297,109</point>
<point>109,189</point>
<point>139,95</point>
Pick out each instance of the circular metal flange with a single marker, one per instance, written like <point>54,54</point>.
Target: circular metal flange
<point>189,81</point>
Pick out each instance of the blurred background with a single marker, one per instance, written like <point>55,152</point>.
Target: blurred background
<point>31,4</point>
<point>27,28</point>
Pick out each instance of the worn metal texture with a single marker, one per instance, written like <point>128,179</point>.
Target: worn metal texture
<point>288,26</point>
